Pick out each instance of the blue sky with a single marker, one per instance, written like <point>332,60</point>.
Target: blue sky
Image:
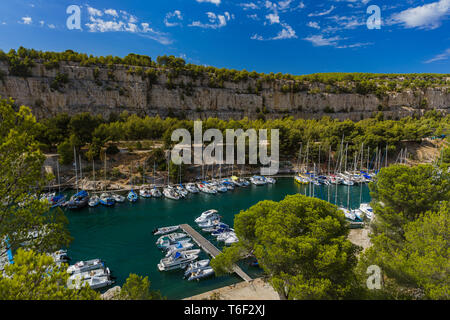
<point>289,36</point>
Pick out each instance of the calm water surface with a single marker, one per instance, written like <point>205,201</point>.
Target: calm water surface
<point>121,236</point>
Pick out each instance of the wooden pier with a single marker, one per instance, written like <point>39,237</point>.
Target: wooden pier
<point>211,249</point>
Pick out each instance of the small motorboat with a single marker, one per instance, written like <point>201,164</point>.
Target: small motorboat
<point>94,201</point>
<point>201,274</point>
<point>225,235</point>
<point>118,198</point>
<point>61,256</point>
<point>209,223</point>
<point>192,188</point>
<point>165,230</point>
<point>173,238</point>
<point>270,180</point>
<point>196,265</point>
<point>145,193</point>
<point>258,180</point>
<point>231,239</point>
<point>170,193</point>
<point>107,200</point>
<point>181,191</point>
<point>156,193</point>
<point>180,246</point>
<point>132,196</point>
<point>367,210</point>
<point>192,251</point>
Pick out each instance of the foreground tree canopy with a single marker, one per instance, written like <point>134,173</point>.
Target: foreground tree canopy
<point>36,277</point>
<point>301,243</point>
<point>27,226</point>
<point>411,241</point>
<point>24,220</point>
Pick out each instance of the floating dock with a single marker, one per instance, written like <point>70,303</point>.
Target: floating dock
<point>211,249</point>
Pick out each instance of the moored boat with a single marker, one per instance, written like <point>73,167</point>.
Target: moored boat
<point>165,230</point>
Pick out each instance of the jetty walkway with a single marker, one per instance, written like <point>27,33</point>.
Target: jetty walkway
<point>211,249</point>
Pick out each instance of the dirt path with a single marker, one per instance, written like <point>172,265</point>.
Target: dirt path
<point>253,290</point>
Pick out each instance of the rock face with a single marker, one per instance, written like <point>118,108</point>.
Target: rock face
<point>105,92</point>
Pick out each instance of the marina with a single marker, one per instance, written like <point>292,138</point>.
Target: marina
<point>121,235</point>
<point>211,249</point>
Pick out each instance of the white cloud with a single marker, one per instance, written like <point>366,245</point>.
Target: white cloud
<point>51,26</point>
<point>216,2</point>
<point>443,56</point>
<point>314,25</point>
<point>123,22</point>
<point>286,33</point>
<point>215,21</point>
<point>27,20</point>
<point>428,16</point>
<point>273,18</point>
<point>112,12</point>
<point>177,15</point>
<point>320,41</point>
<point>247,6</point>
<point>323,13</point>
<point>94,12</point>
<point>348,22</point>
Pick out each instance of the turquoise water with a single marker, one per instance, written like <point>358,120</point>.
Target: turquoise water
<point>122,235</point>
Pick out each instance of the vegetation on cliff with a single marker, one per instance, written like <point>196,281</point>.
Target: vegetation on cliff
<point>21,61</point>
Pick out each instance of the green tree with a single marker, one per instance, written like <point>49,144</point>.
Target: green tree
<point>402,194</point>
<point>301,244</point>
<point>25,221</point>
<point>138,288</point>
<point>35,276</point>
<point>419,266</point>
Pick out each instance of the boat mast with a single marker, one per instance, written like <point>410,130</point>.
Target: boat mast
<point>59,180</point>
<point>318,170</point>
<point>105,170</point>
<point>76,169</point>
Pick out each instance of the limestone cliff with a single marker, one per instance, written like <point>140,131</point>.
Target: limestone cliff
<point>102,90</point>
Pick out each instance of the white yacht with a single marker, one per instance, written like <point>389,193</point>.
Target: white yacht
<point>96,279</point>
<point>177,260</point>
<point>83,266</point>
<point>207,215</point>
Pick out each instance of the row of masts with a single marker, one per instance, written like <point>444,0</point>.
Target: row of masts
<point>370,162</point>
